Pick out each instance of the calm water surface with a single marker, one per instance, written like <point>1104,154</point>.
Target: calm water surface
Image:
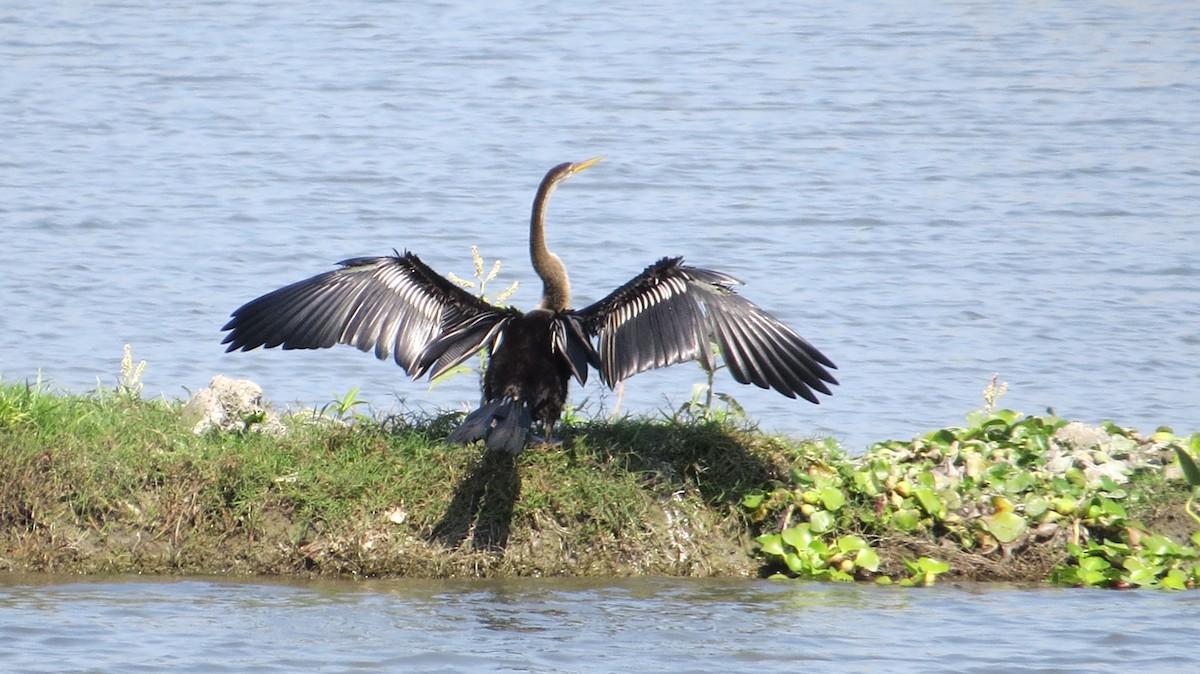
<point>930,195</point>
<point>131,625</point>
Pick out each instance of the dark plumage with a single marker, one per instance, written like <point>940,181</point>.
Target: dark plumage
<point>399,308</point>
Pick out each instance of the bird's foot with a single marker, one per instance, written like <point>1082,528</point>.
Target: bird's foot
<point>543,440</point>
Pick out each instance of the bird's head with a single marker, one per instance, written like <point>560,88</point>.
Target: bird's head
<point>566,170</point>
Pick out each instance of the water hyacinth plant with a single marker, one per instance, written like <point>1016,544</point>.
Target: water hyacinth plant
<point>1003,487</point>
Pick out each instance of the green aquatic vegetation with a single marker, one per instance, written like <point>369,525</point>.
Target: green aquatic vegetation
<point>1129,555</point>
<point>811,548</point>
<point>1135,558</point>
<point>806,553</point>
<point>1005,486</point>
<point>1191,471</point>
<point>822,544</point>
<point>923,571</point>
<point>1004,524</point>
<point>1152,561</point>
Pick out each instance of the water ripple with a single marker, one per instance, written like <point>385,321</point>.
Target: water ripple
<point>931,196</point>
<point>580,626</point>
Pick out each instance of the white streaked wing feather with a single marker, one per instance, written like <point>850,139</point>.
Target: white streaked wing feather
<point>671,313</point>
<point>394,306</point>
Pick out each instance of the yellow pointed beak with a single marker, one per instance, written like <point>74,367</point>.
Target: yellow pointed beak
<point>576,168</point>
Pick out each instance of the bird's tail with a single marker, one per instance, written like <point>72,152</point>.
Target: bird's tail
<point>504,424</point>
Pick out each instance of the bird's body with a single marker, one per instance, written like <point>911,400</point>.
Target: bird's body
<point>399,308</point>
<point>525,366</point>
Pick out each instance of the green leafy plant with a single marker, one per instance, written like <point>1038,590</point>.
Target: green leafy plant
<point>924,571</point>
<point>1190,471</point>
<point>1129,556</point>
<point>808,554</point>
<point>813,547</point>
<point>999,484</point>
<point>1153,560</point>
<point>342,408</point>
<point>703,404</point>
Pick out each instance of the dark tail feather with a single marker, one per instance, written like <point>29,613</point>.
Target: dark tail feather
<point>477,423</point>
<point>504,423</point>
<point>511,429</point>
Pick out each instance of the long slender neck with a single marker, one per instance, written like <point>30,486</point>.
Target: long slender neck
<point>556,288</point>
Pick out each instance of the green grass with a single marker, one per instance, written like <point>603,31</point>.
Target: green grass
<point>108,482</point>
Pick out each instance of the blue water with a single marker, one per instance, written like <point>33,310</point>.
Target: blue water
<point>932,194</point>
<point>652,625</point>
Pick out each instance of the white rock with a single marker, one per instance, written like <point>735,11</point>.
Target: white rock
<point>231,405</point>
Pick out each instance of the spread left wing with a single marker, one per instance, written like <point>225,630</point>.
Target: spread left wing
<point>672,313</point>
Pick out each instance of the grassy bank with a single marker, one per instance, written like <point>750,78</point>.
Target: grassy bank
<point>109,482</point>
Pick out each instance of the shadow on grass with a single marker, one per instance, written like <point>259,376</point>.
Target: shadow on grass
<point>482,506</point>
<point>722,461</point>
<point>719,461</point>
